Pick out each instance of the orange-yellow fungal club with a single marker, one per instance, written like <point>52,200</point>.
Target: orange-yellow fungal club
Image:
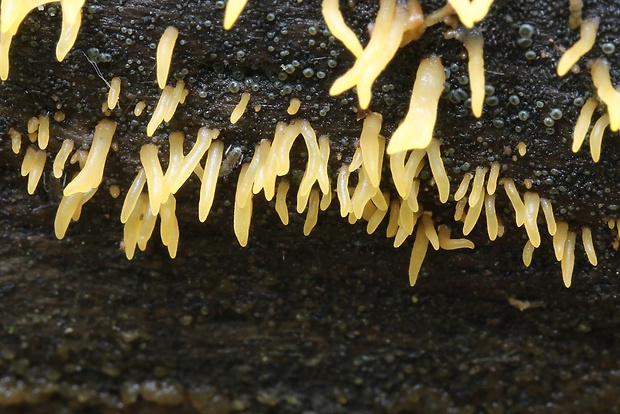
<point>463,187</point>
<point>169,226</point>
<point>588,245</point>
<point>393,20</point>
<point>245,186</point>
<point>606,91</point>
<point>209,179</point>
<point>446,243</point>
<point>240,108</point>
<point>281,207</point>
<point>133,194</point>
<point>568,259</point>
<point>429,230</point>
<point>313,212</point>
<point>13,12</point>
<point>322,175</point>
<point>473,43</point>
<point>336,25</point>
<point>532,203</point>
<point>66,209</point>
<point>314,158</point>
<point>165,47</point>
<point>242,215</point>
<point>491,215</point>
<point>416,130</point>
<point>369,145</point>
<point>583,123</point>
<point>342,190</point>
<point>61,157</point>
<point>580,48</point>
<point>378,216</point>
<point>71,22</point>
<point>232,12</point>
<point>16,140</point>
<point>596,137</point>
<point>146,228</point>
<point>293,106</point>
<point>418,252</point>
<point>158,190</point>
<point>473,214</point>
<point>139,108</point>
<point>114,93</point>
<point>189,162</point>
<point>477,189</point>
<point>131,229</point>
<point>91,175</point>
<point>438,170</point>
<point>32,166</point>
<point>470,12</point>
<point>326,199</point>
<point>515,200</point>
<point>43,134</point>
<point>547,209</point>
<point>559,240</point>
<point>528,251</point>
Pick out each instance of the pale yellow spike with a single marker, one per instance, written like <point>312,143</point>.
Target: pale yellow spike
<point>92,173</point>
<point>209,179</point>
<point>165,47</point>
<point>281,207</point>
<point>13,12</point>
<point>528,251</point>
<point>72,9</point>
<point>242,216</point>
<point>66,209</point>
<point>493,175</point>
<point>420,246</point>
<point>583,123</point>
<point>463,187</point>
<point>606,91</point>
<point>133,224</point>
<point>377,44</point>
<point>446,243</point>
<point>568,259</point>
<point>596,137</point>
<point>133,195</point>
<point>369,145</point>
<point>429,229</point>
<point>342,190</point>
<point>169,227</point>
<point>473,43</point>
<point>71,21</point>
<point>232,12</point>
<point>477,189</point>
<point>336,25</point>
<point>61,157</point>
<point>416,130</point>
<point>588,244</point>
<point>313,212</point>
<point>549,216</point>
<point>470,12</point>
<point>158,190</point>
<point>559,240</point>
<point>491,215</point>
<point>581,46</point>
<point>532,203</point>
<point>515,200</point>
<point>438,170</point>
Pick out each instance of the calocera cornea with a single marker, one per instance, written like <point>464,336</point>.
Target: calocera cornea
<point>389,177</point>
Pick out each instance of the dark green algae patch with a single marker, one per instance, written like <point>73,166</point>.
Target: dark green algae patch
<point>325,323</point>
